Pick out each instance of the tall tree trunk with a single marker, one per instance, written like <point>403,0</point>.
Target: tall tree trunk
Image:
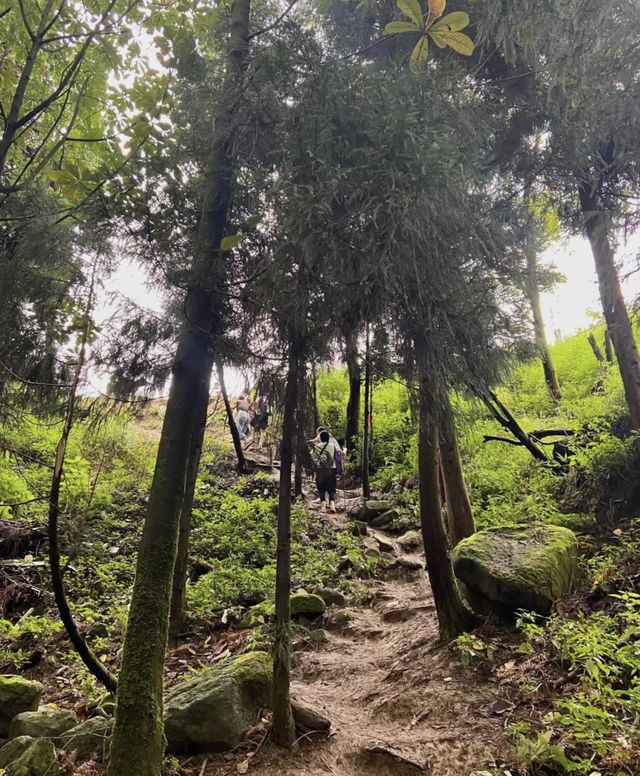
<point>355,386</point>
<point>453,616</point>
<point>366,428</point>
<point>596,348</point>
<point>300,437</point>
<point>459,512</point>
<point>283,728</point>
<point>178,595</point>
<point>235,435</point>
<point>314,395</point>
<point>137,747</point>
<point>615,312</point>
<point>542,346</point>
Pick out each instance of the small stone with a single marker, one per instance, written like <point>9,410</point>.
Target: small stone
<point>384,544</point>
<point>308,720</point>
<point>398,614</point>
<point>411,564</point>
<point>97,630</point>
<point>411,541</point>
<point>40,759</point>
<point>16,695</point>
<point>90,736</point>
<point>318,636</point>
<point>384,520</point>
<point>357,528</point>
<point>373,509</point>
<point>48,722</point>
<point>14,749</point>
<point>331,597</point>
<point>340,619</point>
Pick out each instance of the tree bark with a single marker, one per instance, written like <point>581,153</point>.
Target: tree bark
<point>616,316</point>
<point>542,346</point>
<point>178,595</point>
<point>283,727</point>
<point>459,512</point>
<point>235,435</point>
<point>366,428</point>
<point>453,616</point>
<point>355,386</point>
<point>137,747</point>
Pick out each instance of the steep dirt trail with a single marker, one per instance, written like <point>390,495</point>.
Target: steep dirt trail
<point>399,703</point>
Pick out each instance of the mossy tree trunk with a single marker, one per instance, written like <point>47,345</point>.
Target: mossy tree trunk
<point>598,228</point>
<point>542,345</point>
<point>137,747</point>
<point>459,512</point>
<point>453,616</point>
<point>283,727</point>
<point>301,450</point>
<point>178,595</point>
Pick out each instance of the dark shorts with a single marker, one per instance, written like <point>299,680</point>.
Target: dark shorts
<point>327,483</point>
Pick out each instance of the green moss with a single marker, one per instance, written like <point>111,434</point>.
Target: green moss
<point>519,567</point>
<point>307,604</point>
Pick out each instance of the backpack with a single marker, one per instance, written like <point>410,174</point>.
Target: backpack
<point>337,457</point>
<point>324,459</point>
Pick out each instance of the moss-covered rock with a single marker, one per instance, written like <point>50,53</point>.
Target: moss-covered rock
<point>16,695</point>
<point>373,509</point>
<point>14,749</point>
<point>211,711</point>
<point>48,722</point>
<point>307,605</point>
<point>521,567</point>
<point>90,736</point>
<point>40,759</point>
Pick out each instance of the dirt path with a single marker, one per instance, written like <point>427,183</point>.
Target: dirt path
<point>399,704</point>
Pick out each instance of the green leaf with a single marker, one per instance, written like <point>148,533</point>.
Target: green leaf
<point>413,10</point>
<point>458,41</point>
<point>420,53</point>
<point>394,27</point>
<point>454,22</point>
<point>230,242</point>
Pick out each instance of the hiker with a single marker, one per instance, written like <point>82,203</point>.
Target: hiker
<point>316,440</point>
<point>324,458</point>
<point>242,407</point>
<point>260,420</point>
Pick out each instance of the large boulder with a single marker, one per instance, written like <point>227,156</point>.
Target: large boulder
<point>210,712</point>
<point>16,695</point>
<point>521,567</point>
<point>48,722</point>
<point>88,737</point>
<point>40,759</point>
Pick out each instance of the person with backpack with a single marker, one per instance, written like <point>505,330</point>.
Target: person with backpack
<point>324,459</point>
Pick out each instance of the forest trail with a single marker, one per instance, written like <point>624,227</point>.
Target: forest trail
<point>399,703</point>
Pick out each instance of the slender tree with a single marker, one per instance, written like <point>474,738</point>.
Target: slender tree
<point>233,429</point>
<point>366,421</point>
<point>179,591</point>
<point>354,372</point>
<point>137,747</point>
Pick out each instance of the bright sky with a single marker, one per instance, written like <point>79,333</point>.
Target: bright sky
<point>567,310</point>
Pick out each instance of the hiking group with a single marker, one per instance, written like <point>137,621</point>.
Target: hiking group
<point>252,417</point>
